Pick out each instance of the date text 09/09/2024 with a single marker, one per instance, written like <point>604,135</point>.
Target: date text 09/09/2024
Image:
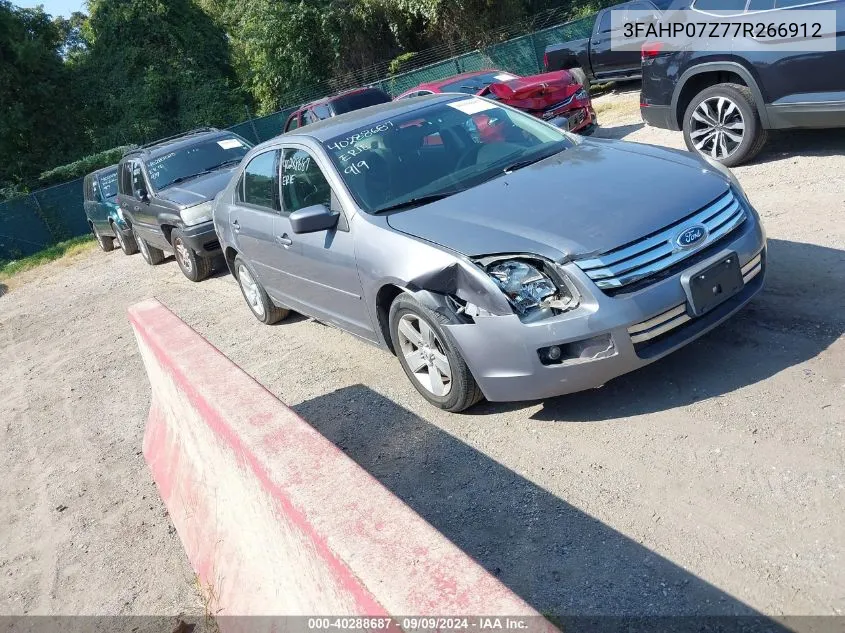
<point>428,623</point>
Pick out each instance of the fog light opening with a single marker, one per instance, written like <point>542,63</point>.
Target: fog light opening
<point>585,350</point>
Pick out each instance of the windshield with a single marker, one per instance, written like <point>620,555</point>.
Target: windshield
<point>438,149</point>
<point>192,160</point>
<point>472,85</point>
<point>358,100</point>
<point>108,184</point>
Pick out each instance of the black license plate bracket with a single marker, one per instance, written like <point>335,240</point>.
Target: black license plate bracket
<point>712,283</point>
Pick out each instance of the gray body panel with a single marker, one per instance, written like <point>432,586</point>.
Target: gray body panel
<point>595,196</point>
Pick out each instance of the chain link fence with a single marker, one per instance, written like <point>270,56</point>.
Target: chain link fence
<point>42,218</point>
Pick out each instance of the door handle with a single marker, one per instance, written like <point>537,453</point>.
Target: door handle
<point>236,225</point>
<point>284,240</point>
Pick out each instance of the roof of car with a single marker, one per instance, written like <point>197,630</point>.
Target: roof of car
<point>450,80</point>
<point>337,125</point>
<point>335,97</point>
<point>160,147</point>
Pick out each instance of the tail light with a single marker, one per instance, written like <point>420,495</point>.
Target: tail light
<point>650,50</point>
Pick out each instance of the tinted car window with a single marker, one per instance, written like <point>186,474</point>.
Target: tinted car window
<point>192,160</point>
<point>126,178</point>
<point>138,182</point>
<point>259,183</point>
<point>108,184</point>
<point>604,25</point>
<point>293,123</point>
<point>389,163</point>
<point>472,85</point>
<point>303,183</point>
<point>358,100</point>
<point>95,190</point>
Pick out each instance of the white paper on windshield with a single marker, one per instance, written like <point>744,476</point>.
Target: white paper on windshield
<point>472,105</point>
<point>230,143</point>
<point>505,77</point>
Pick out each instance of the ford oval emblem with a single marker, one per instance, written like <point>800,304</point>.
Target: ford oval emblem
<point>691,236</point>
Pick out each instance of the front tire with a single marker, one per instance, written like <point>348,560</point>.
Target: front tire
<point>106,243</point>
<point>127,242</point>
<point>194,266</point>
<point>723,124</point>
<point>259,302</point>
<point>152,255</point>
<point>429,356</point>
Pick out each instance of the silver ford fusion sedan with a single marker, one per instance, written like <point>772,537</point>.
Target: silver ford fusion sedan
<point>495,255</point>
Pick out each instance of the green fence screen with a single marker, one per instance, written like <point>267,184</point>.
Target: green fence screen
<point>47,216</point>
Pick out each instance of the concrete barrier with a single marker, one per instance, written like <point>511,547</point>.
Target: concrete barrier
<point>275,519</point>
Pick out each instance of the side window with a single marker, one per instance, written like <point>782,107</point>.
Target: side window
<point>308,117</point>
<point>259,185</point>
<point>783,4</point>
<point>604,25</point>
<point>734,6</point>
<point>322,111</point>
<point>138,182</point>
<point>760,5</point>
<point>293,123</point>
<point>303,184</point>
<point>95,190</point>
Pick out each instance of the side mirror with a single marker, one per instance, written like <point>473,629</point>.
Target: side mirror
<point>142,195</point>
<point>313,219</point>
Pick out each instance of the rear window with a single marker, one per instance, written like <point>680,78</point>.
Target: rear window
<point>358,100</point>
<point>108,184</point>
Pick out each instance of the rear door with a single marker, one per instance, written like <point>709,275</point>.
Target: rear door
<point>252,218</point>
<point>323,268</point>
<point>606,62</point>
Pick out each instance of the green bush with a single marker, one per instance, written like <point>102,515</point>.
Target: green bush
<point>83,166</point>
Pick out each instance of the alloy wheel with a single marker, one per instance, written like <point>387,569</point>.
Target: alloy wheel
<point>425,355</point>
<point>184,255</point>
<point>251,291</point>
<point>717,127</point>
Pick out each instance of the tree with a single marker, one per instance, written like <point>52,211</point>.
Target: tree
<point>38,121</point>
<point>152,68</point>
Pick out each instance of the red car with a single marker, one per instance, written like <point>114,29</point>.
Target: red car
<point>334,105</point>
<point>555,97</point>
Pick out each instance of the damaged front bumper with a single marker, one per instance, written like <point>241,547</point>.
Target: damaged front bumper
<point>605,337</point>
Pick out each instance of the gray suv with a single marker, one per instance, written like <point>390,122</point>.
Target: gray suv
<point>165,191</point>
<point>492,253</point>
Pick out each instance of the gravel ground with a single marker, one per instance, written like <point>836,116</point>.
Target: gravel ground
<point>709,482</point>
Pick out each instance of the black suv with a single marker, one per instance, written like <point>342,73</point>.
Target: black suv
<point>725,102</point>
<point>165,191</point>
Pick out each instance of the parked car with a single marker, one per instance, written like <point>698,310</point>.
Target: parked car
<point>337,104</point>
<point>725,102</point>
<point>518,268</point>
<point>554,97</point>
<point>99,191</point>
<point>591,59</point>
<point>165,190</point>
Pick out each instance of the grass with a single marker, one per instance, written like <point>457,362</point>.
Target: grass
<point>68,248</point>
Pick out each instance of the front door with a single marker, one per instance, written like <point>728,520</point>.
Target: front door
<point>323,267</point>
<point>252,219</point>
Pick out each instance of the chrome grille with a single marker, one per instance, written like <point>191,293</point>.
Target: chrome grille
<point>630,263</point>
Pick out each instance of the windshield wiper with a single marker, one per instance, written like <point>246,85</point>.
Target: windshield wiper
<point>534,159</point>
<point>202,173</point>
<point>415,202</point>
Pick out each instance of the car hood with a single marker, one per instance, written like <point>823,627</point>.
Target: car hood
<point>536,92</point>
<point>198,190</point>
<point>588,199</point>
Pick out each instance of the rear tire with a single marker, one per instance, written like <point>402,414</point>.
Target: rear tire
<point>193,265</point>
<point>723,124</point>
<point>436,345</point>
<point>106,243</point>
<point>580,77</point>
<point>152,255</point>
<point>259,302</point>
<point>127,242</point>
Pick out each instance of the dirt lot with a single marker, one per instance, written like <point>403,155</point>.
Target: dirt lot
<point>709,482</point>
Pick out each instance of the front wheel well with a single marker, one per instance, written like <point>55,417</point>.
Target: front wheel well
<point>384,299</point>
<point>700,82</point>
<point>168,231</point>
<point>230,254</point>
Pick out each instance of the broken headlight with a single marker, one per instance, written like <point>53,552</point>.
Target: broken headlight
<point>529,290</point>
